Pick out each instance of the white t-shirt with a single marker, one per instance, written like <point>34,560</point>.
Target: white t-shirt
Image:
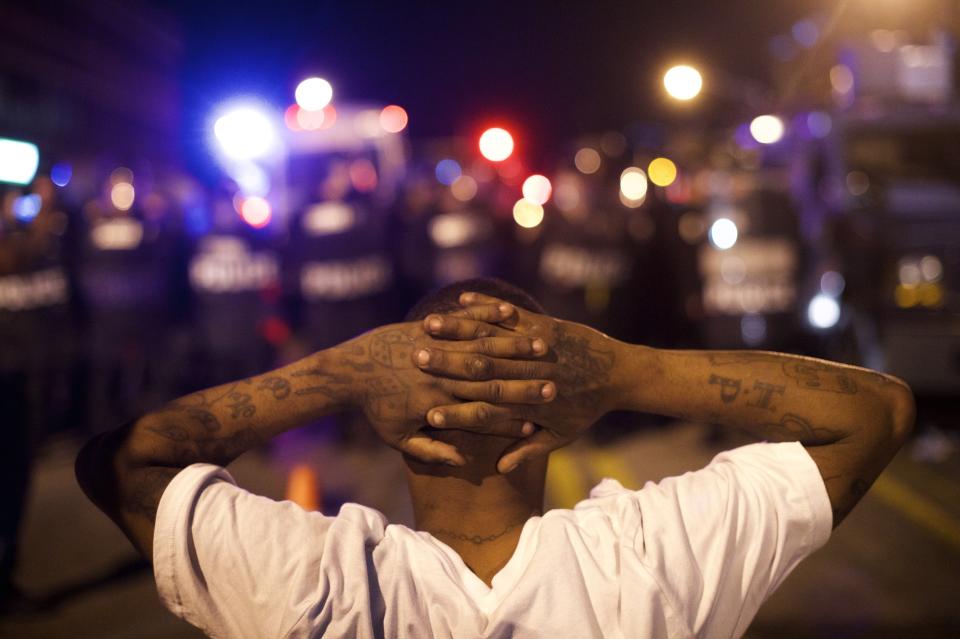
<point>690,556</point>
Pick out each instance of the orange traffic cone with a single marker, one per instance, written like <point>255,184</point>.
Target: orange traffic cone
<point>303,487</point>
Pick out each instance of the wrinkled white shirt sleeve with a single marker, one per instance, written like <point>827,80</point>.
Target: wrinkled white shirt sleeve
<point>722,539</point>
<point>237,564</point>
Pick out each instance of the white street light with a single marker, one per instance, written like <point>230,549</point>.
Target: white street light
<point>683,82</point>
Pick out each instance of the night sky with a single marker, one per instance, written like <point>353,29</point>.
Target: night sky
<point>551,69</point>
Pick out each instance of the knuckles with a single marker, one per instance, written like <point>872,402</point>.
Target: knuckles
<point>479,367</point>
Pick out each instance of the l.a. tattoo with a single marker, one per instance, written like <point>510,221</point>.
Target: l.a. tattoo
<point>729,387</point>
<point>766,392</point>
<point>817,376</point>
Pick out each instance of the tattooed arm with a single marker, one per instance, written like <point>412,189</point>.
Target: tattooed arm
<point>125,471</point>
<point>851,420</point>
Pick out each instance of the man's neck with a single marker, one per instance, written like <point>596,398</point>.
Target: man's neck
<point>480,517</point>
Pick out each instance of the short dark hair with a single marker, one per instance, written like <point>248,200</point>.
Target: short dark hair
<point>446,299</point>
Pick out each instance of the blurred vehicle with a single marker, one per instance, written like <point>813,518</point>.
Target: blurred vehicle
<point>888,184</point>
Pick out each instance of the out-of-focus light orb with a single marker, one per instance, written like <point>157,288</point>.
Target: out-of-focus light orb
<point>806,33</point>
<point>122,195</point>
<point>587,160</point>
<point>393,118</point>
<point>633,184</point>
<point>690,227</point>
<point>291,118</point>
<point>819,124</point>
<point>723,233</point>
<point>313,94</point>
<point>682,82</point>
<point>244,133</point>
<point>329,116</point>
<point>931,294</point>
<point>832,283</point>
<point>767,129</point>
<point>537,189</point>
<point>18,161</point>
<point>753,329</point>
<point>496,144</point>
<point>27,207</point>
<point>251,179</point>
<point>363,175</point>
<point>256,211</point>
<point>464,188</point>
<point>613,143</point>
<point>931,268</point>
<point>841,78</point>
<point>447,171</point>
<point>909,272</point>
<point>309,120</point>
<point>366,123</point>
<point>858,183</point>
<point>662,171</point>
<point>527,214</point>
<point>567,195</point>
<point>884,40</point>
<point>61,173</point>
<point>823,311</point>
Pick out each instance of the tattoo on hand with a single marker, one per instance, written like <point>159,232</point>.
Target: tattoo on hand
<point>729,387</point>
<point>766,394</point>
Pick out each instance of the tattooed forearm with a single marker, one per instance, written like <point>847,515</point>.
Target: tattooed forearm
<point>240,405</point>
<point>278,386</point>
<point>764,395</point>
<point>818,376</point>
<point>729,388</point>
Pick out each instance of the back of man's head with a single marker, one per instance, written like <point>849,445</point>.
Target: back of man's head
<point>481,451</point>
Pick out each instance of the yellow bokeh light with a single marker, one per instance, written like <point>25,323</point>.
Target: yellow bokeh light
<point>931,295</point>
<point>841,78</point>
<point>662,171</point>
<point>905,296</point>
<point>527,214</point>
<point>683,82</point>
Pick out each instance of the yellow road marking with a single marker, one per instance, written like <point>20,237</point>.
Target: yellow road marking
<point>918,509</point>
<point>607,464</point>
<point>565,486</point>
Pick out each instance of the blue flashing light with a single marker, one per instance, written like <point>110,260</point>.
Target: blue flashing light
<point>60,173</point>
<point>18,161</point>
<point>448,171</point>
<point>26,207</point>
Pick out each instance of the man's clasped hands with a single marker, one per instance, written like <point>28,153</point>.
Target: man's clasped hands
<point>489,367</point>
